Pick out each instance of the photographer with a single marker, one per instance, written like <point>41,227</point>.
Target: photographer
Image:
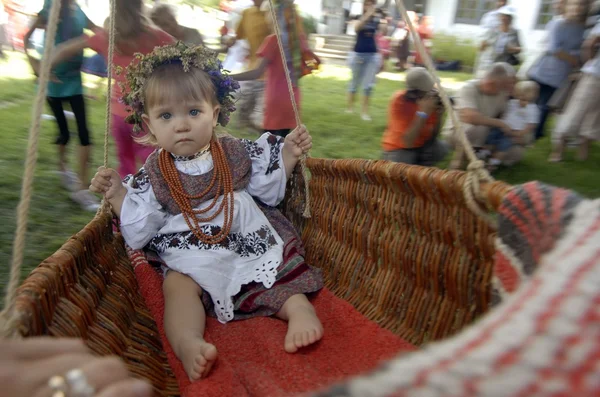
<point>364,60</point>
<point>414,122</point>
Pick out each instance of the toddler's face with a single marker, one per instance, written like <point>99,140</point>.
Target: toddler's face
<point>526,97</point>
<point>182,128</point>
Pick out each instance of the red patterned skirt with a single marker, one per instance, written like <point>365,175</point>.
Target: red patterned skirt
<point>294,275</point>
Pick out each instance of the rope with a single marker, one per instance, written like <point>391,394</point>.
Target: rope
<point>108,121</point>
<point>111,49</point>
<point>305,175</point>
<point>476,172</point>
<point>8,317</point>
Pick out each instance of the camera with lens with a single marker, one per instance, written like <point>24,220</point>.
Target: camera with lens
<point>436,94</point>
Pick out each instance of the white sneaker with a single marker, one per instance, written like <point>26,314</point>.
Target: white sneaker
<point>70,180</point>
<point>365,117</point>
<point>86,200</point>
<point>349,111</point>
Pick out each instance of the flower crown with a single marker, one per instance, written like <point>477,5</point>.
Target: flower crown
<point>140,70</point>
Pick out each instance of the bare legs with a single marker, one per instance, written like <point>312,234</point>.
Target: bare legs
<point>185,320</point>
<point>351,100</point>
<point>304,327</point>
<point>84,163</point>
<point>62,158</point>
<point>558,150</point>
<point>364,105</point>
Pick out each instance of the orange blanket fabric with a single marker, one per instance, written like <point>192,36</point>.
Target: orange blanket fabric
<point>252,361</point>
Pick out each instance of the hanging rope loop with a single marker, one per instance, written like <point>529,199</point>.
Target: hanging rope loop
<point>290,86</point>
<point>8,317</point>
<point>476,171</point>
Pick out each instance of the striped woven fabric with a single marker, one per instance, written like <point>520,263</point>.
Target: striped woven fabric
<point>543,339</point>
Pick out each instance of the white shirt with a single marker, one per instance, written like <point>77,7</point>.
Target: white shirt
<point>252,251</point>
<point>518,117</point>
<point>593,65</point>
<point>490,20</point>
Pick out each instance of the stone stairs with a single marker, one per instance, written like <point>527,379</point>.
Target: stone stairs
<point>331,48</point>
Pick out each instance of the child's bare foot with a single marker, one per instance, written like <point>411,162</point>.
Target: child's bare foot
<point>304,327</point>
<point>197,357</point>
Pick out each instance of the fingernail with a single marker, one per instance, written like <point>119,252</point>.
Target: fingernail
<point>141,389</point>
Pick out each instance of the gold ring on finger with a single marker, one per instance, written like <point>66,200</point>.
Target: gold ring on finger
<point>58,386</point>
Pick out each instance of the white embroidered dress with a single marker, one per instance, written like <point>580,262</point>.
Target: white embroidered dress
<point>253,249</point>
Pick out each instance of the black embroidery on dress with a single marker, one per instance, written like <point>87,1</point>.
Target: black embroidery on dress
<point>274,142</point>
<point>140,179</point>
<point>254,243</point>
<point>192,157</point>
<point>252,148</point>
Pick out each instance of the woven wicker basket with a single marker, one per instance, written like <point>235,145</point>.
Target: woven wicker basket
<point>396,241</point>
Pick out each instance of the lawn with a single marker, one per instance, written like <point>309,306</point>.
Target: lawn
<point>53,217</point>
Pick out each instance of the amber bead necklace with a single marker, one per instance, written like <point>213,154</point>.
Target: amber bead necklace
<point>224,180</point>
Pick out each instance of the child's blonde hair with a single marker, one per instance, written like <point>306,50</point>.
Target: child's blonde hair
<point>169,83</point>
<point>527,88</point>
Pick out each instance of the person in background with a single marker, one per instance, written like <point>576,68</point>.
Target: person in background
<point>402,37</point>
<point>425,31</point>
<point>163,16</point>
<point>27,366</point>
<point>582,116</point>
<point>490,20</point>
<point>66,86</point>
<point>365,60</point>
<point>501,44</point>
<point>279,118</point>
<point>565,36</point>
<point>489,23</point>
<point>134,34</point>
<point>254,29</point>
<point>480,105</point>
<point>95,65</point>
<point>521,115</point>
<point>414,123</point>
<point>383,44</point>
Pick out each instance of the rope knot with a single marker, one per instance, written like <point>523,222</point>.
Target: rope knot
<point>476,166</point>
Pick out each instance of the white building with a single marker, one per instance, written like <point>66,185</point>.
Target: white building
<point>461,18</point>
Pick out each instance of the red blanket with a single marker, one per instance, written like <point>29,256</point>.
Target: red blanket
<point>252,361</point>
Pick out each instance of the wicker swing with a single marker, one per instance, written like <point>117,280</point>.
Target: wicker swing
<point>401,243</point>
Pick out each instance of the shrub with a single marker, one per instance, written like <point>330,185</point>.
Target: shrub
<point>447,47</point>
<point>309,24</point>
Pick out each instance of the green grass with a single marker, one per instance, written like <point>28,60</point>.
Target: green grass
<point>53,217</point>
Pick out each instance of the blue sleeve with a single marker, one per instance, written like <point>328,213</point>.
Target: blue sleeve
<point>578,39</point>
<point>554,37</point>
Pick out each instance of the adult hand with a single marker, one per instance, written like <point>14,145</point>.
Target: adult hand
<point>26,367</point>
<point>427,104</point>
<point>505,128</point>
<point>370,10</point>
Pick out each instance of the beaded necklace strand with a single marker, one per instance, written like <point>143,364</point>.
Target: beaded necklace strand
<point>224,181</point>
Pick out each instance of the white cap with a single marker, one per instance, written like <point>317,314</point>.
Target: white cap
<point>507,10</point>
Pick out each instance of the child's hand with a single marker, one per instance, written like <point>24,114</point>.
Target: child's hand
<point>108,182</point>
<point>298,142</point>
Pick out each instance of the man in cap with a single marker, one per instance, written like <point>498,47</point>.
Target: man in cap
<point>481,104</point>
<point>414,121</point>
